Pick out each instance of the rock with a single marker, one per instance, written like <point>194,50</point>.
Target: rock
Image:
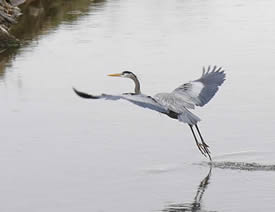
<point>16,2</point>
<point>7,40</point>
<point>8,15</point>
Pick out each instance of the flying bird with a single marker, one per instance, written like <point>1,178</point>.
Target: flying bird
<point>176,104</point>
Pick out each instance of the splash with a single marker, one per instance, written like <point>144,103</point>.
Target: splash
<point>239,166</point>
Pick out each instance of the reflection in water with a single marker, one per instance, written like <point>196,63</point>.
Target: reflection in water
<point>196,205</point>
<point>41,17</point>
<point>5,58</point>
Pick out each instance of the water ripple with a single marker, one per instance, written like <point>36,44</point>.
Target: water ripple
<point>239,166</point>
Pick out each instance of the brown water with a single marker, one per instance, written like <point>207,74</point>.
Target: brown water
<point>62,153</point>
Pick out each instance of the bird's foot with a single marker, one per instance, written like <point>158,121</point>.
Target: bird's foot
<point>201,148</point>
<point>204,148</point>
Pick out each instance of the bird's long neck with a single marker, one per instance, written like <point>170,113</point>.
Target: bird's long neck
<point>137,85</point>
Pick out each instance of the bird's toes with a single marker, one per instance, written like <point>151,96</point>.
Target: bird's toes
<point>202,149</point>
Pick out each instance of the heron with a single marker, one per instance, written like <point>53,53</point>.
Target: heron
<point>176,104</point>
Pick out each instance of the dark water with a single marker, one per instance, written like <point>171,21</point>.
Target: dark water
<point>62,153</point>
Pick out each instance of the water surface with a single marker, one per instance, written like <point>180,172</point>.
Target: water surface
<point>62,153</point>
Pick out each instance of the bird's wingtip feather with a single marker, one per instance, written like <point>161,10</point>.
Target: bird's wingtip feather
<point>84,95</point>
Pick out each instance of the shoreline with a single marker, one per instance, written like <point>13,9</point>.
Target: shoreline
<point>9,13</point>
<point>22,20</point>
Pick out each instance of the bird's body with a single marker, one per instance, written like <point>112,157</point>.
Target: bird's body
<point>177,103</point>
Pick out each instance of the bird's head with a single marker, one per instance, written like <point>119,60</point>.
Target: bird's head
<point>130,75</point>
<point>125,74</point>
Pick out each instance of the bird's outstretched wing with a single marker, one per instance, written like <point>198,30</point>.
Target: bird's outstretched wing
<point>194,93</point>
<point>202,90</point>
<point>139,99</point>
<point>144,101</point>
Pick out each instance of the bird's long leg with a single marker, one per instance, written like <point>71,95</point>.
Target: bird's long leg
<point>205,145</point>
<point>202,140</point>
<point>197,143</point>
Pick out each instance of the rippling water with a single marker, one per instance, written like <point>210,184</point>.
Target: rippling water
<point>62,153</point>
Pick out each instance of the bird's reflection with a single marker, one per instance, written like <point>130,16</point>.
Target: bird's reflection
<point>196,205</point>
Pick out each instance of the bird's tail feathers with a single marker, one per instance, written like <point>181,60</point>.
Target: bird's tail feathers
<point>188,117</point>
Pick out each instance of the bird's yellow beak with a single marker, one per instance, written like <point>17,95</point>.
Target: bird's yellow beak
<point>114,75</point>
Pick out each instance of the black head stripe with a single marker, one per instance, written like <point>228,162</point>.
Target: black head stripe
<point>127,72</point>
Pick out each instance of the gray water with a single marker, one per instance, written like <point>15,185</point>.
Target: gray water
<point>62,153</point>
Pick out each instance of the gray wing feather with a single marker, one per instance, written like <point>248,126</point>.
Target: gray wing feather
<point>174,102</point>
<point>201,91</point>
<point>178,105</point>
<point>211,81</point>
<point>145,102</point>
<point>140,100</point>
